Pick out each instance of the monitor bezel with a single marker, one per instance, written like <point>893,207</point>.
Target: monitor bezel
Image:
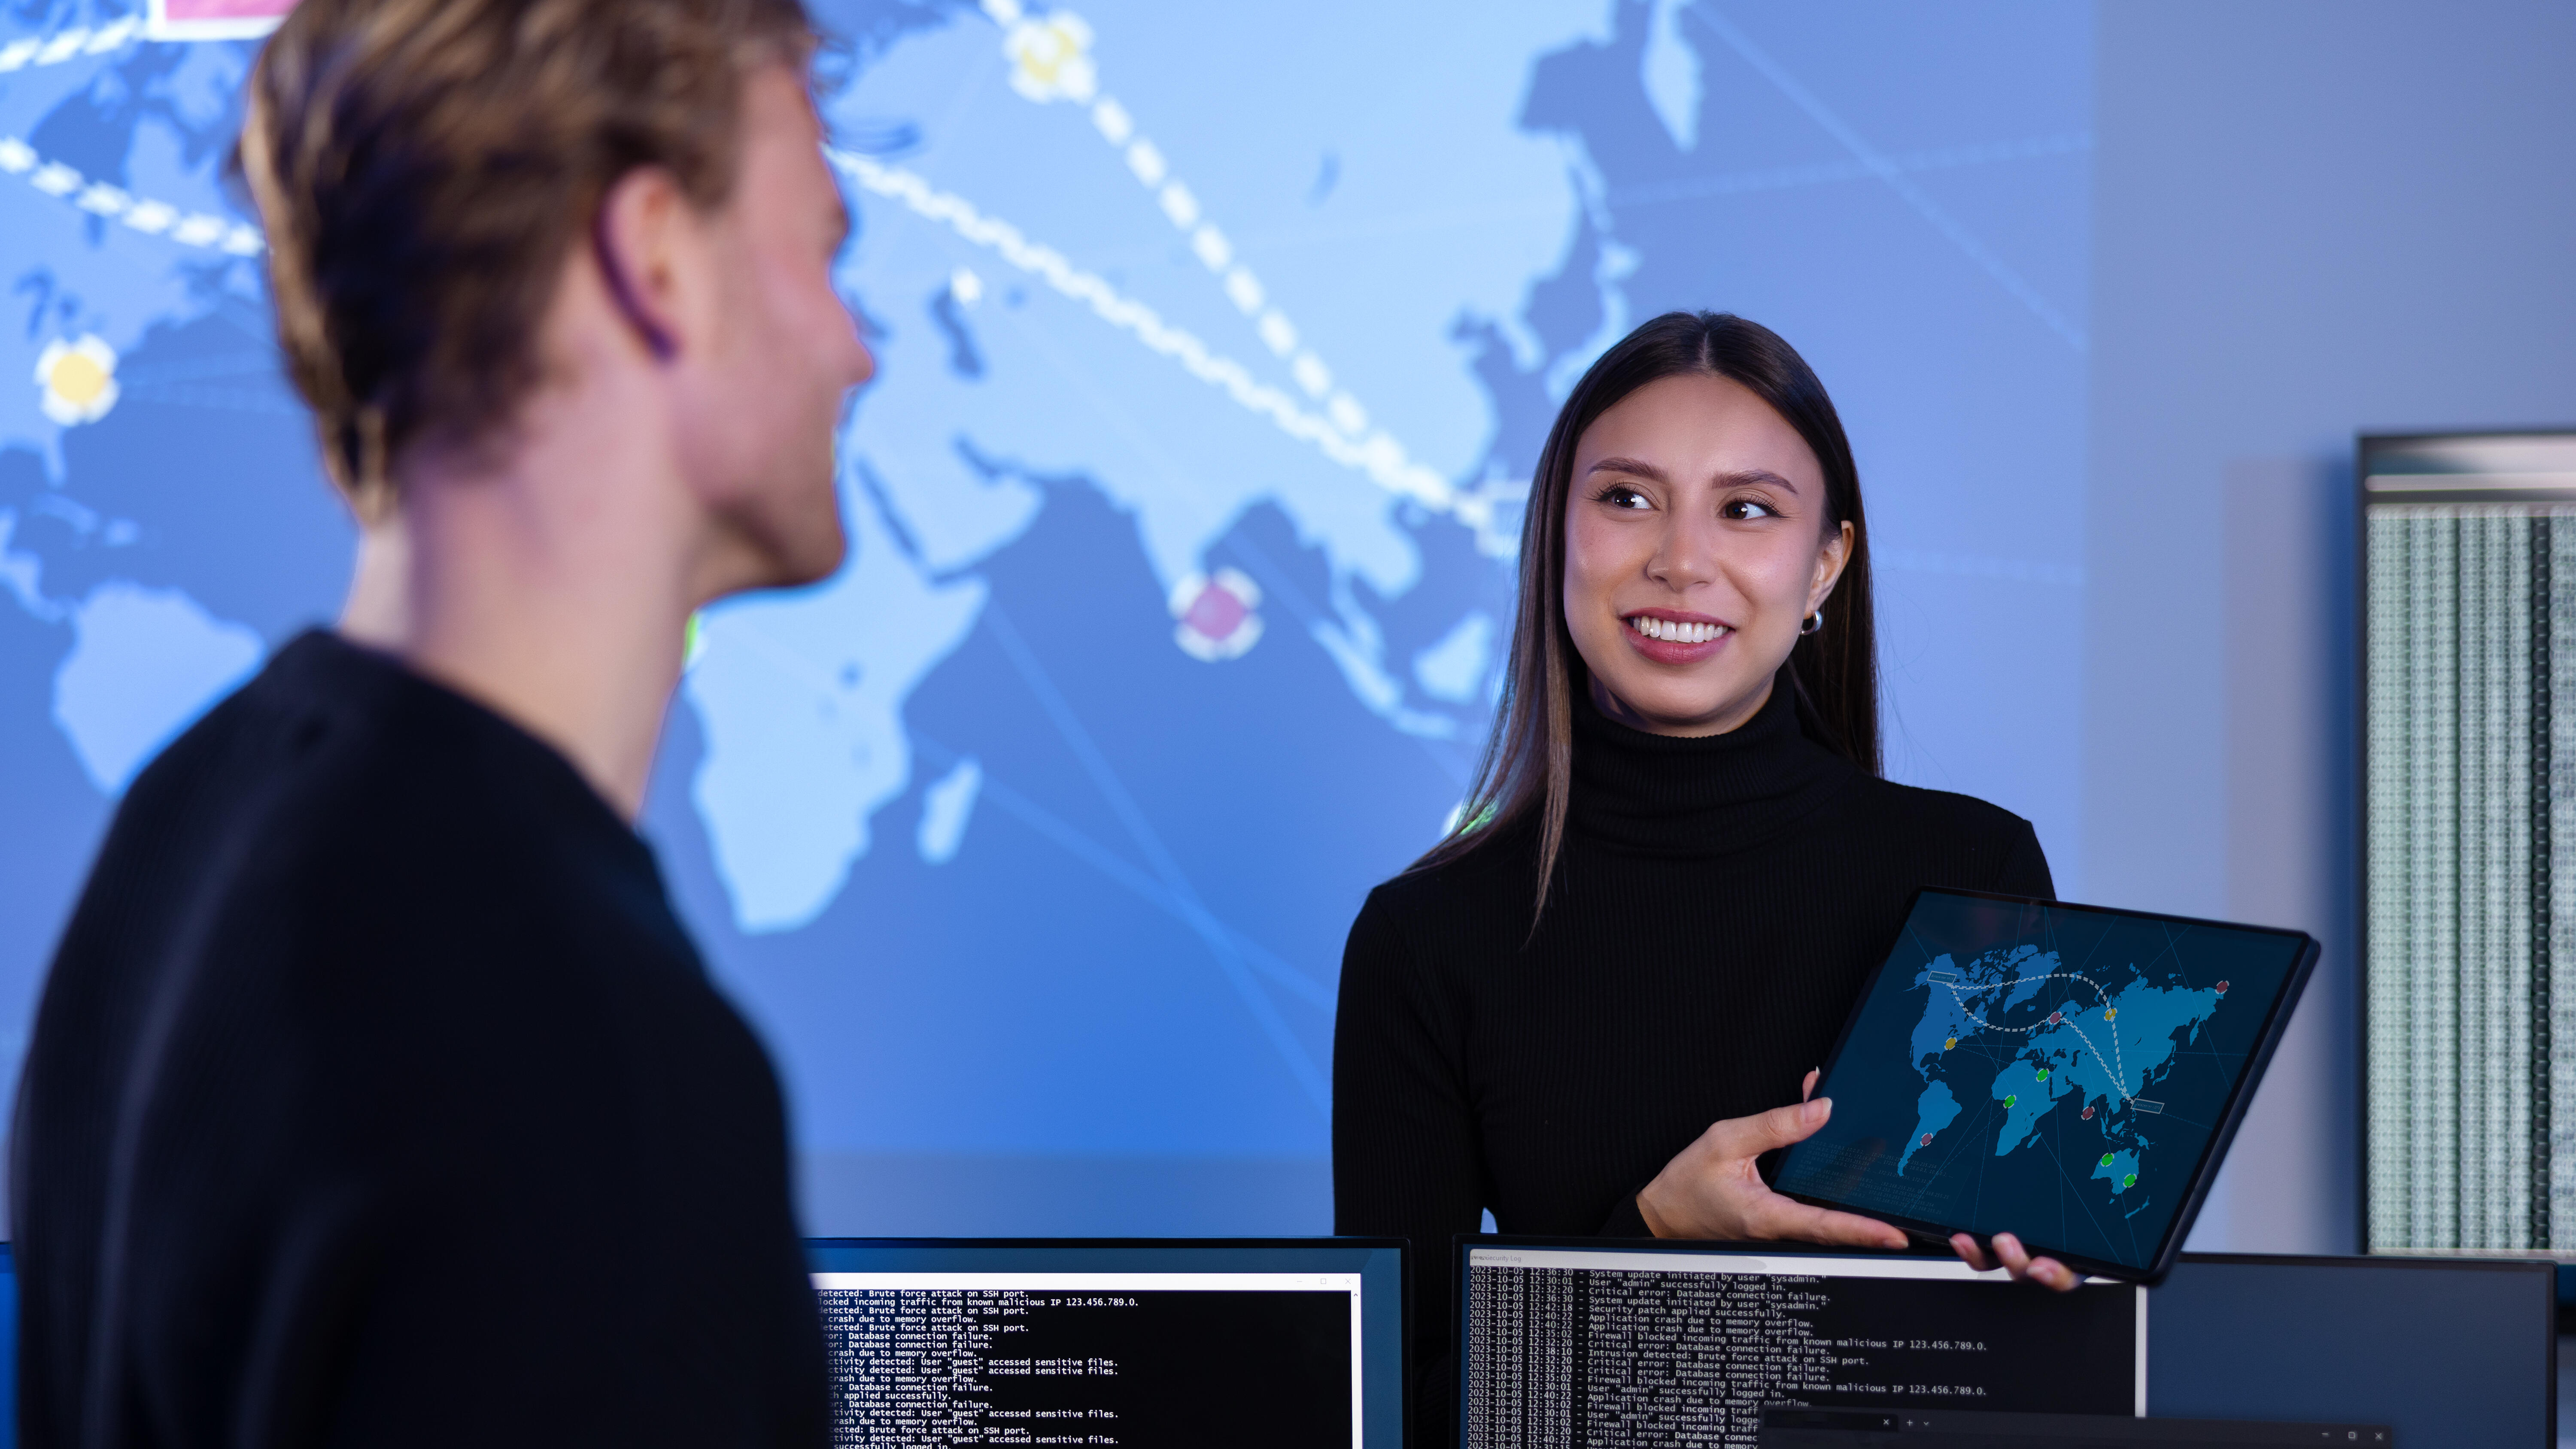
<point>2213,1153</point>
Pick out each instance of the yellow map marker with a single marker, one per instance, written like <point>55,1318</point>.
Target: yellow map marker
<point>78,379</point>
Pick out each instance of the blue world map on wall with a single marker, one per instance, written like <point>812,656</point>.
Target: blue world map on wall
<point>1216,345</point>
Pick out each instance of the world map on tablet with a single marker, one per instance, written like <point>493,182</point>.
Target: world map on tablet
<point>2049,1071</point>
<point>2101,1040</point>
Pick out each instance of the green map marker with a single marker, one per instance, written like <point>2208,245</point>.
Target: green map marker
<point>2106,1159</point>
<point>2008,1101</point>
<point>2129,1181</point>
<point>2043,1074</point>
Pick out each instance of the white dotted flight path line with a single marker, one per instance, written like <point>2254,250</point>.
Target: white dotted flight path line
<point>1051,60</point>
<point>99,198</point>
<point>1382,458</point>
<point>152,218</point>
<point>64,45</point>
<point>2119,1072</point>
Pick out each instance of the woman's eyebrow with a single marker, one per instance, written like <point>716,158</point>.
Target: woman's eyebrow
<point>1637,466</point>
<point>1759,477</point>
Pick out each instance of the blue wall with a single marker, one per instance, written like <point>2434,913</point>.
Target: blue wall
<point>2309,220</point>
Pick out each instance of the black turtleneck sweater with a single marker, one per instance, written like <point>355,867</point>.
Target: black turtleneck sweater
<point>1718,905</point>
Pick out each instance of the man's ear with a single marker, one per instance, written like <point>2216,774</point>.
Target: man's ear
<point>635,238</point>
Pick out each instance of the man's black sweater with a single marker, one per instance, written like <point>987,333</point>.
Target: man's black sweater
<point>377,1097</point>
<point>1717,907</point>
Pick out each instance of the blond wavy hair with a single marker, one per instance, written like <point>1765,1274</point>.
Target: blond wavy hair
<point>424,168</point>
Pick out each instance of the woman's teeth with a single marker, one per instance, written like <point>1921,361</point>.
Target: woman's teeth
<point>1678,633</point>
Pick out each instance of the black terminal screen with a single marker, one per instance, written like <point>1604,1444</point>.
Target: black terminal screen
<point>1607,1346</point>
<point>1140,1344</point>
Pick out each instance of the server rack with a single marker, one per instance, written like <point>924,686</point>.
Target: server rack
<point>2468,763</point>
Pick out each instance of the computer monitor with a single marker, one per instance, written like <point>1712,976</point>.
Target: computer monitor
<point>1619,1341</point>
<point>1136,1342</point>
<point>2443,1351</point>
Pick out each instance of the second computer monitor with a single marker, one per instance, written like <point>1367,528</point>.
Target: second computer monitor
<point>1588,1341</point>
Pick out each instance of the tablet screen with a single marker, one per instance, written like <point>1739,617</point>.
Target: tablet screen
<point>2057,1072</point>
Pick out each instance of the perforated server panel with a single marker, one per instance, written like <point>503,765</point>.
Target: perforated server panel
<point>2468,581</point>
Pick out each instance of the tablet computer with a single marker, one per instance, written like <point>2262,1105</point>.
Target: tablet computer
<point>2068,1074</point>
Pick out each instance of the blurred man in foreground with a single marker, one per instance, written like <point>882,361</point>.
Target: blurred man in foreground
<point>376,1095</point>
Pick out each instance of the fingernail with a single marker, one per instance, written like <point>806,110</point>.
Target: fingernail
<point>1819,1109</point>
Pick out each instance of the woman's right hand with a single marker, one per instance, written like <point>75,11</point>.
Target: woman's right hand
<point>1712,1191</point>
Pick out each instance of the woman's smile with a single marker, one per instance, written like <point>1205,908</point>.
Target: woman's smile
<point>1670,636</point>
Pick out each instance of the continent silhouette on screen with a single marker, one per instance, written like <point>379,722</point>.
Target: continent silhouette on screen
<point>2052,1071</point>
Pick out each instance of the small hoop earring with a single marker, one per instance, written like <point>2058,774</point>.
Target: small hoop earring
<point>1813,623</point>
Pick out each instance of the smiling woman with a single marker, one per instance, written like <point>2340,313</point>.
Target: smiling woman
<point>1678,862</point>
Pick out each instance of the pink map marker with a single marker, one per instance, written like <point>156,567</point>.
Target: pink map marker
<point>1213,615</point>
<point>214,19</point>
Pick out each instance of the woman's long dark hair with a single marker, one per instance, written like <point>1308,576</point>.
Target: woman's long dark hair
<point>1527,767</point>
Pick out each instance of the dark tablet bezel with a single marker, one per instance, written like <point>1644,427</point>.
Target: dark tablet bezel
<point>2239,1097</point>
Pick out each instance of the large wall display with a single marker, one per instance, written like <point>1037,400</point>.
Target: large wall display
<point>1217,343</point>
<point>2469,749</point>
